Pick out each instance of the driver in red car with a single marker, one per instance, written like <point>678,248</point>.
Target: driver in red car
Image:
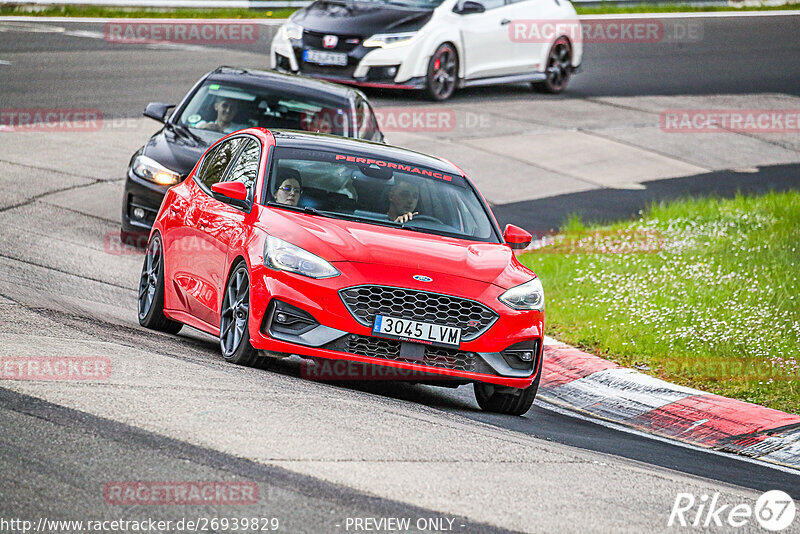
<point>403,199</point>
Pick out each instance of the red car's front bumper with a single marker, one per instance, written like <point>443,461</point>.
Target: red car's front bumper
<point>481,359</point>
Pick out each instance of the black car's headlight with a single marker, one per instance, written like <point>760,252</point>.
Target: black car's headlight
<point>150,169</point>
<point>279,254</point>
<point>527,296</point>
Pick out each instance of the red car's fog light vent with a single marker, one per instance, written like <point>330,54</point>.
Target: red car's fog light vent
<point>364,302</point>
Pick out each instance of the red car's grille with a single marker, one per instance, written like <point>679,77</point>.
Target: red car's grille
<point>364,302</point>
<point>389,349</point>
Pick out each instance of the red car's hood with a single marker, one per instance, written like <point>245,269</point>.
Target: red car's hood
<point>338,240</point>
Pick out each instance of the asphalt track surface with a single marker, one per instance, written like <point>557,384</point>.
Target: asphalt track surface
<point>54,457</point>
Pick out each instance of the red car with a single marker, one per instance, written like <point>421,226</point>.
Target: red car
<point>333,249</point>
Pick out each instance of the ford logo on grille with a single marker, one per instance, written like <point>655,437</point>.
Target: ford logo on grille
<point>421,278</point>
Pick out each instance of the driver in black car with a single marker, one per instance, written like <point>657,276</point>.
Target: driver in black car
<point>403,199</point>
<point>226,109</point>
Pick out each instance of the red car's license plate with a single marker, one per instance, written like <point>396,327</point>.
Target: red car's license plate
<point>409,330</point>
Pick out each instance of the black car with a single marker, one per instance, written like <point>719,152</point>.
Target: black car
<point>223,101</point>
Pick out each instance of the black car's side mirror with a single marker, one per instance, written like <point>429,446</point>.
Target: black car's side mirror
<point>157,111</point>
<point>469,7</point>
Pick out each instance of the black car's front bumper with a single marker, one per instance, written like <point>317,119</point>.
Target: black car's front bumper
<point>141,201</point>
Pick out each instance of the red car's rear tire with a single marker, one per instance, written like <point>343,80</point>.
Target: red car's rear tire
<point>151,290</point>
<point>498,399</point>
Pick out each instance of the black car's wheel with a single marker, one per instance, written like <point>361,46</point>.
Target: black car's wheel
<point>234,333</point>
<point>440,84</point>
<point>558,69</point>
<point>151,290</point>
<point>508,401</point>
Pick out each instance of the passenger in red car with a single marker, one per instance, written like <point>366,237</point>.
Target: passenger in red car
<point>403,199</point>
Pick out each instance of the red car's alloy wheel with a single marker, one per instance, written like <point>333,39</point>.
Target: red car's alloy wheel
<point>151,290</point>
<point>234,334</point>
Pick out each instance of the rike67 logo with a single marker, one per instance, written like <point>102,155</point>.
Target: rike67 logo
<point>774,511</point>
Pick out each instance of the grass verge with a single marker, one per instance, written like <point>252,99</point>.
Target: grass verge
<point>114,12</point>
<point>700,292</point>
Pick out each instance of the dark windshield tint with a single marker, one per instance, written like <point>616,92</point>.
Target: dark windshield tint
<point>372,190</point>
<point>226,108</point>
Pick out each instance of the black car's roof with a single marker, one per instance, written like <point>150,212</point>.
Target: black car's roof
<point>315,141</point>
<point>290,83</point>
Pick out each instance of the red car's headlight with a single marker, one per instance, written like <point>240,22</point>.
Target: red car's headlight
<point>283,256</point>
<point>527,296</point>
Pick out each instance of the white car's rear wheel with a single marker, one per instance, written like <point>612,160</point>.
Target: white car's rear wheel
<point>558,69</point>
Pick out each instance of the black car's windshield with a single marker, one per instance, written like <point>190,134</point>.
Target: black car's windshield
<point>227,107</point>
<point>378,191</point>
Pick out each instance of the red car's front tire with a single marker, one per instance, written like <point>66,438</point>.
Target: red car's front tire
<point>509,401</point>
<point>234,330</point>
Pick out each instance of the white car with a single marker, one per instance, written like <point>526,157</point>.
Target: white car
<point>435,45</point>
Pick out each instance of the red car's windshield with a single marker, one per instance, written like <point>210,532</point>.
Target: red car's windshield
<point>379,191</point>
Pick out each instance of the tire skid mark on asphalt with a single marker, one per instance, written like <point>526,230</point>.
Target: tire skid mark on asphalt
<point>61,271</point>
<point>58,171</point>
<point>33,199</point>
<point>313,488</point>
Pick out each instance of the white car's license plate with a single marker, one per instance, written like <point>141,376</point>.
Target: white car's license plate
<point>408,330</point>
<point>321,57</point>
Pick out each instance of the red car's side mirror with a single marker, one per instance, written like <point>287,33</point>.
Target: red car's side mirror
<point>516,237</point>
<point>234,193</point>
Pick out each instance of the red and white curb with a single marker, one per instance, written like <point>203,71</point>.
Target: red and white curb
<point>585,383</point>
